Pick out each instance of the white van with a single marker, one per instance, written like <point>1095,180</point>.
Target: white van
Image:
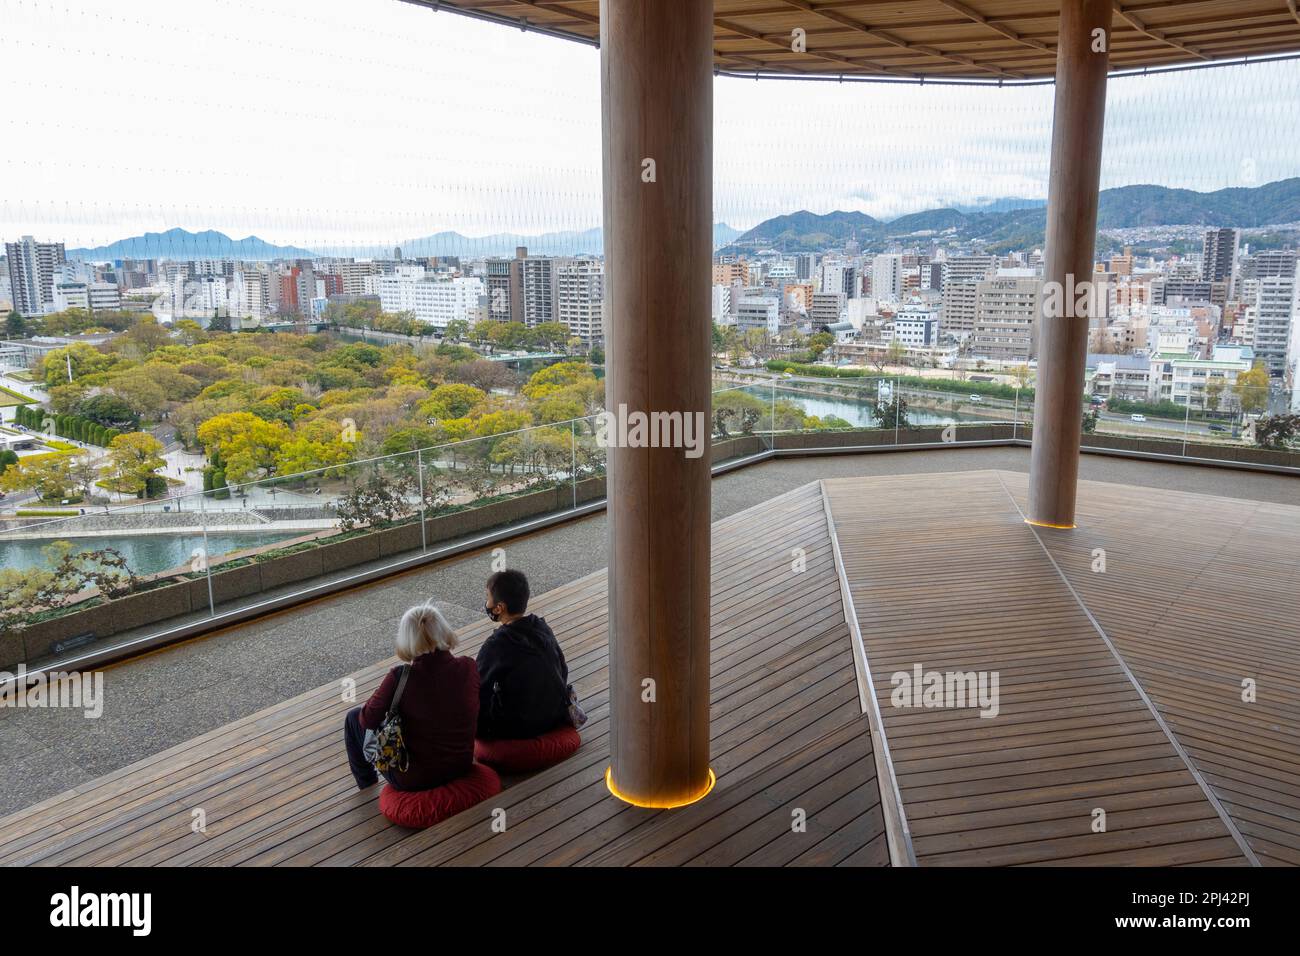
<point>1135,417</point>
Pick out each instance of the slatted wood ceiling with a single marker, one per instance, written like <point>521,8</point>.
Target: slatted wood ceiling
<point>973,39</point>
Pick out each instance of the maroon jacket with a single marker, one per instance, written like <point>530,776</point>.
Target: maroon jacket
<point>439,711</point>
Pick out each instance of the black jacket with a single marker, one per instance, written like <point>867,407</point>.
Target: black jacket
<point>523,681</point>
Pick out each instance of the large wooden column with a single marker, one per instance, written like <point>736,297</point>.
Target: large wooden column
<point>1081,65</point>
<point>656,63</point>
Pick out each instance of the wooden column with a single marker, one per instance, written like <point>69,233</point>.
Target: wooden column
<point>656,63</point>
<point>1062,339</point>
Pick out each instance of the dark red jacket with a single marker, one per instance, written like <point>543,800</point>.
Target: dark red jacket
<point>439,711</point>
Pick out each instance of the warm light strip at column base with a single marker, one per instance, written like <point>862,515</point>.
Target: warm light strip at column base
<point>609,782</point>
<point>1048,524</point>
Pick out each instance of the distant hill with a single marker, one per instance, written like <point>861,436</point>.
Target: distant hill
<point>1022,226</point>
<point>210,244</point>
<point>586,242</point>
<point>182,244</point>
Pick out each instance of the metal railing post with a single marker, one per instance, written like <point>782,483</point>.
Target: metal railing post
<point>419,472</point>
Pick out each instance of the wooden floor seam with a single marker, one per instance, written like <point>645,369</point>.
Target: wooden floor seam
<point>1137,685</point>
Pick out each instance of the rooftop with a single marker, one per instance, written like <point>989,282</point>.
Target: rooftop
<point>1120,689</point>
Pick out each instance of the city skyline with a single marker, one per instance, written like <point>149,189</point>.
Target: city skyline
<point>346,131</point>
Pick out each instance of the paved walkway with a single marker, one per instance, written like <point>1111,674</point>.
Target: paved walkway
<point>178,693</point>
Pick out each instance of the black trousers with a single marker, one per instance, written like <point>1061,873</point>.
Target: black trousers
<point>354,739</point>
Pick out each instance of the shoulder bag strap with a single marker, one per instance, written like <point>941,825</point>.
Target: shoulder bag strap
<point>401,686</point>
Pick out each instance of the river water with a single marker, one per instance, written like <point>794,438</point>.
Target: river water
<point>144,553</point>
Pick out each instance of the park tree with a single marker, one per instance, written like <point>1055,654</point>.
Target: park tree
<point>249,446</point>
<point>1251,389</point>
<point>897,352</point>
<point>316,445</point>
<point>111,411</point>
<point>818,343</point>
<point>1277,432</point>
<point>556,378</point>
<point>85,359</point>
<point>456,330</point>
<point>551,335</point>
<point>483,374</point>
<point>53,477</point>
<point>133,458</point>
<point>452,400</point>
<point>1214,389</point>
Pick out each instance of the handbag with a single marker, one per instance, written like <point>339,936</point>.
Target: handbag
<point>577,716</point>
<point>384,746</point>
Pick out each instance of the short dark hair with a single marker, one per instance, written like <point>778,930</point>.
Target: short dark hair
<point>511,589</point>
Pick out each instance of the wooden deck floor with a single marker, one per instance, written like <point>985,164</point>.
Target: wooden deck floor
<point>788,733</point>
<point>1119,690</point>
<point>1199,595</point>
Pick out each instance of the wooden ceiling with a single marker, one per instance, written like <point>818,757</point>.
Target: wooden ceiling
<point>990,40</point>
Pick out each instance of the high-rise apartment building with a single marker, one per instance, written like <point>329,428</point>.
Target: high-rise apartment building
<point>579,299</point>
<point>33,267</point>
<point>1219,256</point>
<point>887,277</point>
<point>959,306</point>
<point>1275,307</point>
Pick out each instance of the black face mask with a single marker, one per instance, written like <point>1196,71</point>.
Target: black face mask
<point>490,613</point>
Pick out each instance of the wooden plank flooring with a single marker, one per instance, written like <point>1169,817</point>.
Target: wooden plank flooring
<point>1200,594</point>
<point>788,734</point>
<point>1118,690</point>
<point>946,575</point>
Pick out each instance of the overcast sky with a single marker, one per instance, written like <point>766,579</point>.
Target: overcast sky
<point>337,122</point>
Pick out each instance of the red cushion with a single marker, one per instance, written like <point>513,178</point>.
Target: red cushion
<point>534,753</point>
<point>423,808</point>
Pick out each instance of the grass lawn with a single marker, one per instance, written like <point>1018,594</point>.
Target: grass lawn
<point>8,397</point>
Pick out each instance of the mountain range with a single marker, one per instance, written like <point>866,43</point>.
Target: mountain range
<point>999,225</point>
<point>183,244</point>
<point>1002,229</point>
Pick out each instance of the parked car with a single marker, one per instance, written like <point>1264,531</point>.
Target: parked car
<point>1135,417</point>
<point>1097,400</point>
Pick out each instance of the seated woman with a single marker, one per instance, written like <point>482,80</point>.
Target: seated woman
<point>439,707</point>
<point>523,678</point>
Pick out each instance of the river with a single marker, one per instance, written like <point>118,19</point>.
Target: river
<point>144,553</point>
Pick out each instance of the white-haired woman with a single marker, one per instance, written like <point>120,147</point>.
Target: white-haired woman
<point>439,707</point>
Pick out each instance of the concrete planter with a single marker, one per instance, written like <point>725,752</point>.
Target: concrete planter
<point>289,568</point>
<point>137,610</point>
<point>39,638</point>
<point>398,540</point>
<point>11,650</point>
<point>227,585</point>
<point>350,552</point>
<point>591,489</point>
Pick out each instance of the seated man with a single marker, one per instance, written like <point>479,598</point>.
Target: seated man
<point>523,678</point>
